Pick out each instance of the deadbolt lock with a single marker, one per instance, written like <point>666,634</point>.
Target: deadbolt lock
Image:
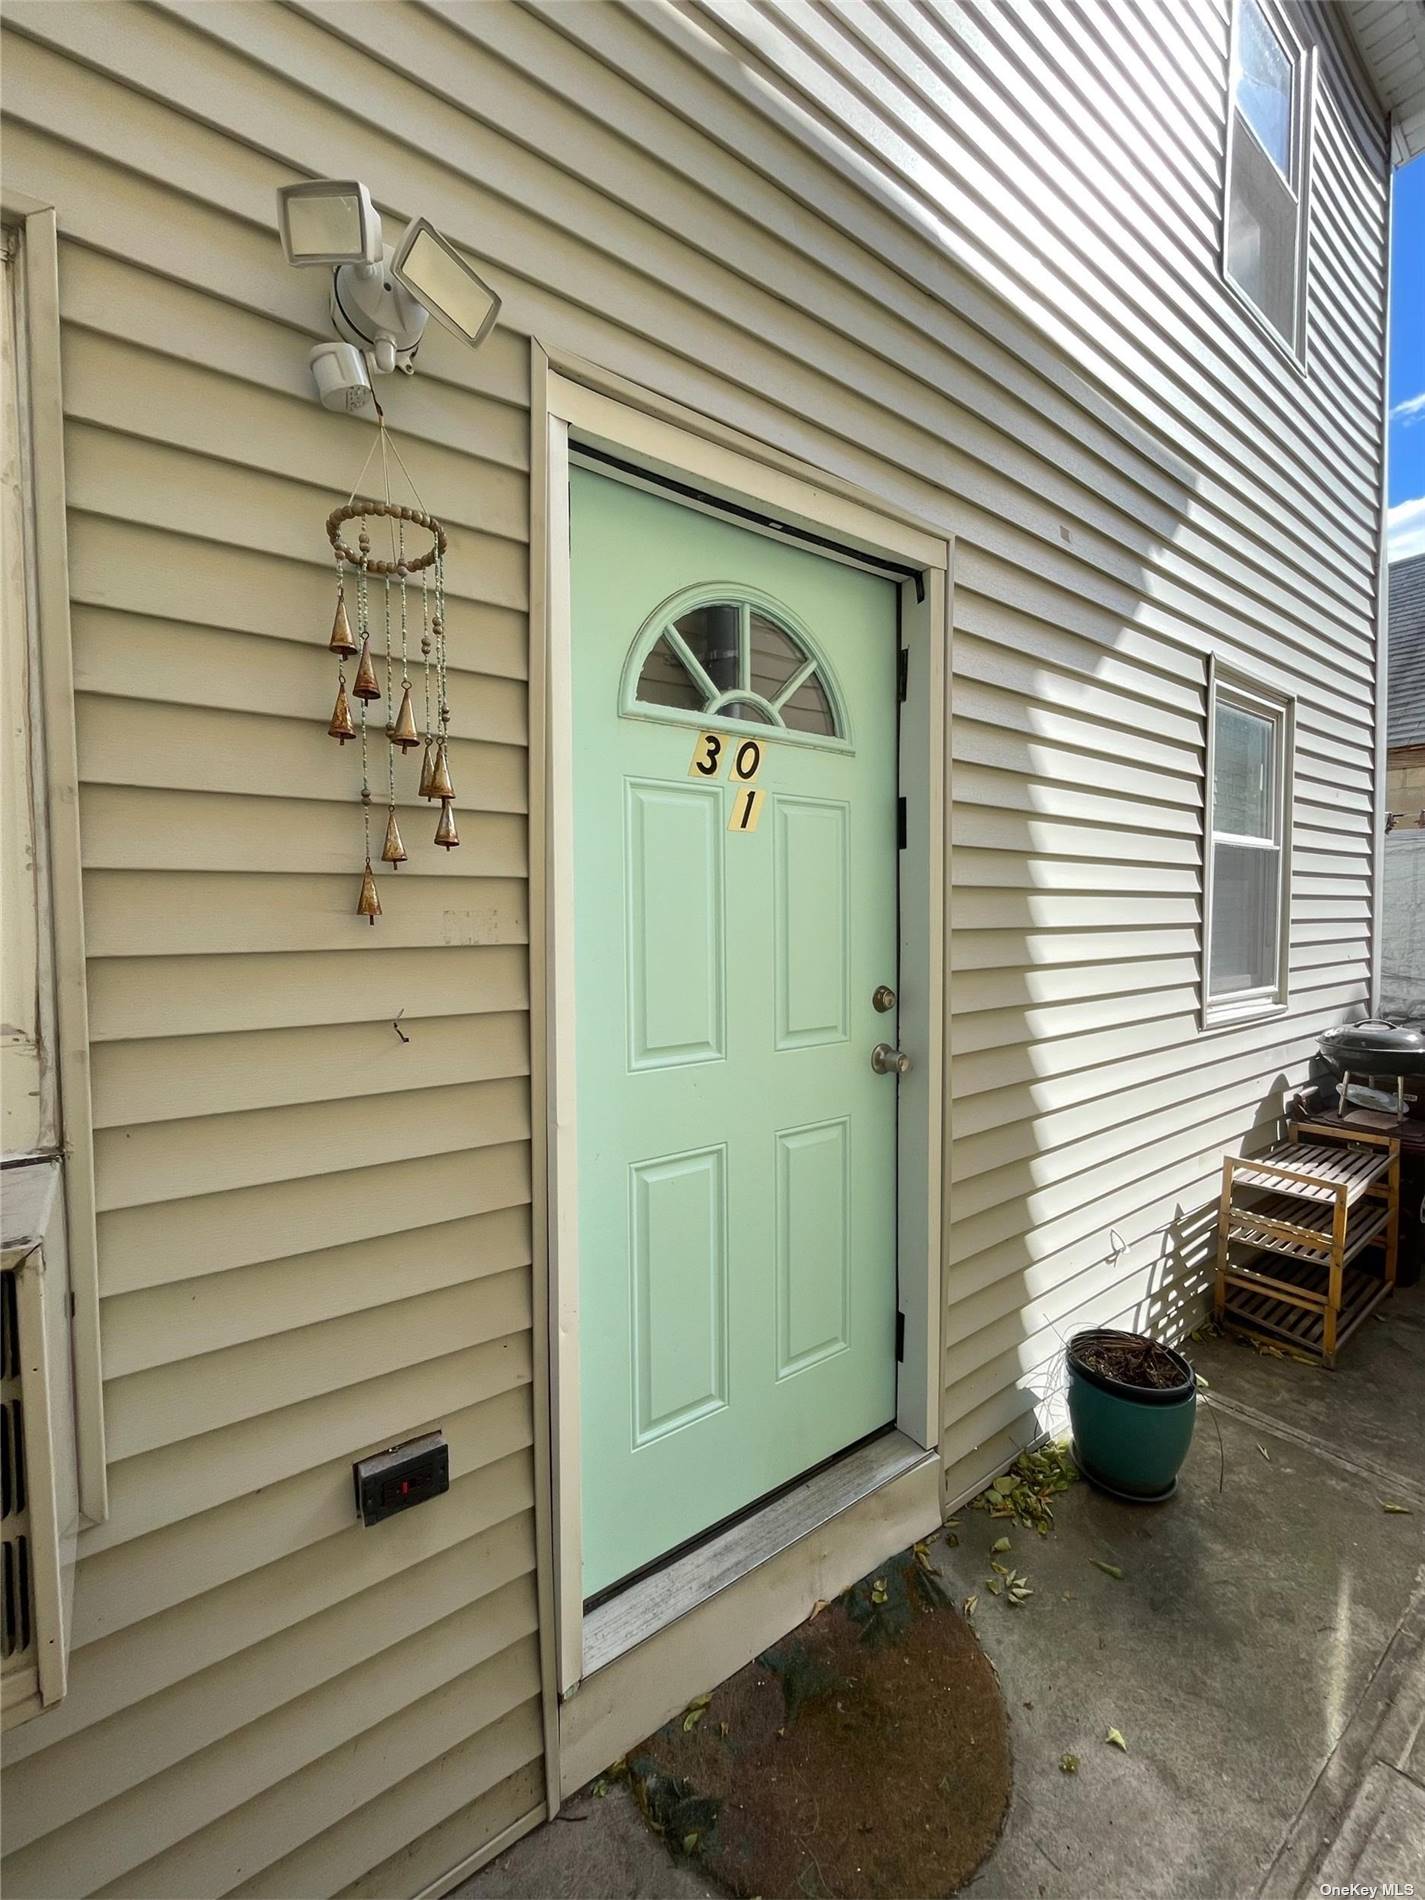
<point>883,997</point>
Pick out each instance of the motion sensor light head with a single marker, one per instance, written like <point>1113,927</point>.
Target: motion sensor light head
<point>380,300</point>
<point>329,221</point>
<point>431,269</point>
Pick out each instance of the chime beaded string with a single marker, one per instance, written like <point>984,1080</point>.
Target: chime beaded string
<point>341,602</point>
<point>390,711</point>
<point>362,633</point>
<point>405,656</point>
<point>425,644</point>
<point>442,690</point>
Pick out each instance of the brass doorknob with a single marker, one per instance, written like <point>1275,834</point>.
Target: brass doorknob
<point>883,997</point>
<point>888,1061</point>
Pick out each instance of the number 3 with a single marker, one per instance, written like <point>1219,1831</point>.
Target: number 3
<point>707,756</point>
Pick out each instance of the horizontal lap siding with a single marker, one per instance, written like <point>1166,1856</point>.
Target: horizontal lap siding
<point>315,1238</point>
<point>963,255</point>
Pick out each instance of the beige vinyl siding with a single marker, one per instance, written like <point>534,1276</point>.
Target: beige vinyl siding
<point>964,256</point>
<point>314,1239</point>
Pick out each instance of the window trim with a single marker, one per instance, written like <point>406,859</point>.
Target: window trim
<point>1228,687</point>
<point>1303,118</point>
<point>48,580</point>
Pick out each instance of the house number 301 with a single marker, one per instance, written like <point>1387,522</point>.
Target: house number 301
<point>715,748</point>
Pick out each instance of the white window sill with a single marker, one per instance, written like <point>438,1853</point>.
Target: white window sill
<point>1253,1009</point>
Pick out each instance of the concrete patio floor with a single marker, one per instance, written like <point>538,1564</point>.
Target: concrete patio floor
<point>1263,1656</point>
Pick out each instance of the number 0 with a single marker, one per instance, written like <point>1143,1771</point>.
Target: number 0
<point>747,761</point>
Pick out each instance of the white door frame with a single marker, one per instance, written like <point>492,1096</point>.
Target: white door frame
<point>574,404</point>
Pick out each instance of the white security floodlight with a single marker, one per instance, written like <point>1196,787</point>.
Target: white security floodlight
<point>431,268</point>
<point>380,299</point>
<point>329,221</point>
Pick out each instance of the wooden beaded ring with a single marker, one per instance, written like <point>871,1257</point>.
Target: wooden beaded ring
<point>355,510</point>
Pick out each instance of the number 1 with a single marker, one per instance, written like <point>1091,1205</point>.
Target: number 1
<point>746,808</point>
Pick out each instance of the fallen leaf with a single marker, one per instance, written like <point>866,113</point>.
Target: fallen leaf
<point>992,1584</point>
<point>879,1593</point>
<point>1004,1484</point>
<point>1265,1453</point>
<point>1109,1570</point>
<point>1203,1380</point>
<point>968,1606</point>
<point>1396,1510</point>
<point>816,1609</point>
<point>1115,1740</point>
<point>1069,1764</point>
<point>1000,1543</point>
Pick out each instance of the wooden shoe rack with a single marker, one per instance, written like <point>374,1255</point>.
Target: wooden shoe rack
<point>1306,1236</point>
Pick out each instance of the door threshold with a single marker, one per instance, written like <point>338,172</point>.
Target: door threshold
<point>654,1601</point>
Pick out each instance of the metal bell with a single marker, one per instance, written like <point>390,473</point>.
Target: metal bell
<point>366,686</point>
<point>404,733</point>
<point>341,727</point>
<point>445,833</point>
<point>341,640</point>
<point>428,770</point>
<point>393,851</point>
<point>440,785</point>
<point>368,905</point>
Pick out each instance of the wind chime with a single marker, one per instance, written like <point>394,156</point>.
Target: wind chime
<point>357,567</point>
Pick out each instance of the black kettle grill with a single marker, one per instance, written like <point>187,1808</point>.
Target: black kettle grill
<point>1378,1046</point>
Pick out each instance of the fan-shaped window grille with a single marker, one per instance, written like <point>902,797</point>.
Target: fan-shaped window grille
<point>736,659</point>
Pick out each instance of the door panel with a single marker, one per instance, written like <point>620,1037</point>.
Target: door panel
<point>813,1244</point>
<point>736,1153</point>
<point>676,935</point>
<point>813,944</point>
<point>678,1226</point>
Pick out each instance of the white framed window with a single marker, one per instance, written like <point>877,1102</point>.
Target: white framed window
<point>1246,849</point>
<point>1264,227</point>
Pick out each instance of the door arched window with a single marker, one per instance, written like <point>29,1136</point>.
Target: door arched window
<point>728,654</point>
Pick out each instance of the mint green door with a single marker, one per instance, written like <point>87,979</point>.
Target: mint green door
<point>736,1151</point>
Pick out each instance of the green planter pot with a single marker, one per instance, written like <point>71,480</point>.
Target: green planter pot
<point>1130,1440</point>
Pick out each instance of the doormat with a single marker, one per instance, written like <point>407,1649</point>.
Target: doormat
<point>866,1754</point>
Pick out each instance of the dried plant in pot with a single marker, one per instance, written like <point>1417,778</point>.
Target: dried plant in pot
<point>1132,1405</point>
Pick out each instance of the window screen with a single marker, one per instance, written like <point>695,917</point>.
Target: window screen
<point>1263,242</point>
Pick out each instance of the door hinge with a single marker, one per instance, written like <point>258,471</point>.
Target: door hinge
<point>902,672</point>
<point>900,1338</point>
<point>900,824</point>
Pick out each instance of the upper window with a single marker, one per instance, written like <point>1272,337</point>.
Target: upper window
<point>735,656</point>
<point>1264,246</point>
<point>1247,873</point>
